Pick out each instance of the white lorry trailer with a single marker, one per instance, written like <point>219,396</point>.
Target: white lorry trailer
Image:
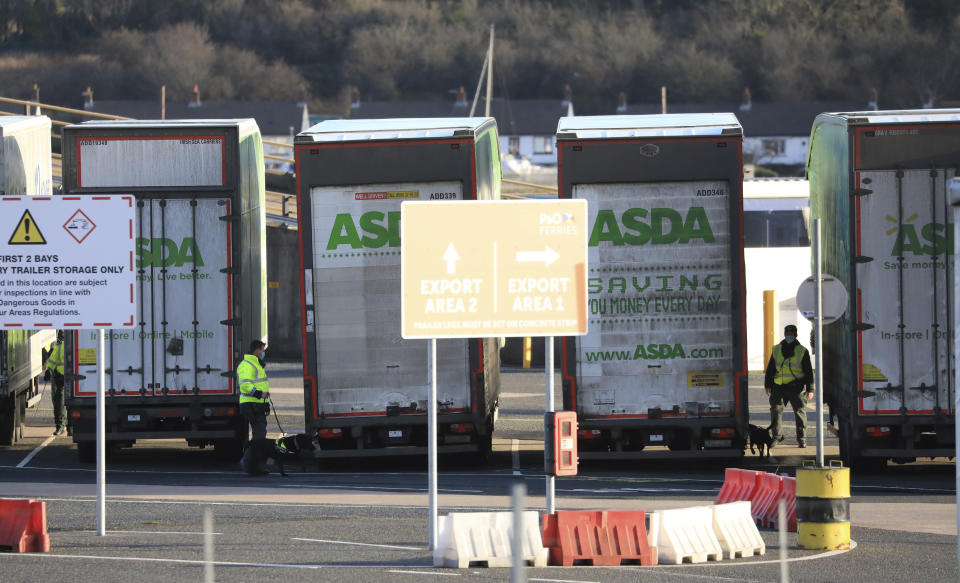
<point>201,279</point>
<point>24,170</point>
<point>365,387</point>
<point>662,371</point>
<point>877,183</point>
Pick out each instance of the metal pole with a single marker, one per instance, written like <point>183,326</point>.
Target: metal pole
<point>818,336</point>
<point>101,438</point>
<point>782,540</point>
<point>486,110</point>
<point>432,444</point>
<point>518,571</point>
<point>208,545</point>
<point>954,197</point>
<point>548,366</point>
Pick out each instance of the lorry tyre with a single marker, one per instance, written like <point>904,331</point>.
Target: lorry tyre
<point>8,419</point>
<point>87,451</point>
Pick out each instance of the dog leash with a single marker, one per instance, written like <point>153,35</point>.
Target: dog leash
<point>275,416</point>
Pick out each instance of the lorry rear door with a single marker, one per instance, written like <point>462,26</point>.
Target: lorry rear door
<point>903,291</point>
<point>365,367</point>
<point>660,335</point>
<point>180,345</point>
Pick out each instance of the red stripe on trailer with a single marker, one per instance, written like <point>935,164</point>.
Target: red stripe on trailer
<point>303,308</point>
<point>384,413</point>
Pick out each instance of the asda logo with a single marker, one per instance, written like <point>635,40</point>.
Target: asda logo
<point>658,226</point>
<point>929,239</point>
<point>659,351</point>
<point>161,252</point>
<point>374,230</point>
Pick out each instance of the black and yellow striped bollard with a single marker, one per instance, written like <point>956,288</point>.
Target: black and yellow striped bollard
<point>823,507</point>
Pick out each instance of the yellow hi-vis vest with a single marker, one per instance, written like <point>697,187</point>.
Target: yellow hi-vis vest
<point>788,369</point>
<point>251,377</point>
<point>55,360</point>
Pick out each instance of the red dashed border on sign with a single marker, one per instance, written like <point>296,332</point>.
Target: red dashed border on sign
<point>81,325</point>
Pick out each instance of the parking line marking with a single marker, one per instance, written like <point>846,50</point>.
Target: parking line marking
<point>218,563</point>
<point>152,532</point>
<point>428,573</point>
<point>30,455</point>
<point>562,580</point>
<point>343,542</point>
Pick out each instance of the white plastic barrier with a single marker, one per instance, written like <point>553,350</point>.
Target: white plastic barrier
<point>473,539</point>
<point>685,535</point>
<point>736,531</point>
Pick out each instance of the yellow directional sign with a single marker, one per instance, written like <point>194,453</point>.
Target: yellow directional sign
<point>26,232</point>
<point>493,268</point>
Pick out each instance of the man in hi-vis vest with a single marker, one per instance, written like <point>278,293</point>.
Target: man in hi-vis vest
<point>788,374</point>
<point>254,389</point>
<point>54,371</point>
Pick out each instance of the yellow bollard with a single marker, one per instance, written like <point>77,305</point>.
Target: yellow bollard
<point>527,351</point>
<point>770,323</point>
<point>823,507</point>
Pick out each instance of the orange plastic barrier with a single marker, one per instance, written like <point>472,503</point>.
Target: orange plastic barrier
<point>788,494</point>
<point>764,502</point>
<point>600,538</point>
<point>23,526</point>
<point>738,485</point>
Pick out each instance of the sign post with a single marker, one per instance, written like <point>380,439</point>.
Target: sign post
<point>66,263</point>
<point>823,299</point>
<point>474,269</point>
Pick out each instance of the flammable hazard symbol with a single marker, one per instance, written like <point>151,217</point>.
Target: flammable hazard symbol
<point>27,232</point>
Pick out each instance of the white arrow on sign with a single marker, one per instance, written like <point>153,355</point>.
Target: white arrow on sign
<point>547,256</point>
<point>451,257</point>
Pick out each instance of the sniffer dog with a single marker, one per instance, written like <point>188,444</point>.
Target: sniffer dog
<point>760,436</point>
<point>263,455</point>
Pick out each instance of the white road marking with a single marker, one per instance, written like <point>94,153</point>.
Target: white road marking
<point>515,452</point>
<point>424,573</point>
<point>343,542</point>
<point>562,580</point>
<point>376,488</point>
<point>428,573</point>
<point>219,563</point>
<point>30,455</point>
<point>151,532</point>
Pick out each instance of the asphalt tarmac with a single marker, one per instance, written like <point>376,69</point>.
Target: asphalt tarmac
<point>367,521</point>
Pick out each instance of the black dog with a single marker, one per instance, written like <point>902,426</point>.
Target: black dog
<point>262,454</point>
<point>760,436</point>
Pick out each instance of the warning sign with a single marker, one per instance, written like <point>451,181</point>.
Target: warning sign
<point>26,232</point>
<point>704,379</point>
<point>59,283</point>
<point>79,225</point>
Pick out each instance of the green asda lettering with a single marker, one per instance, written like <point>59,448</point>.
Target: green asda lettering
<point>658,351</point>
<point>938,236</point>
<point>378,229</point>
<point>165,252</point>
<point>665,226</point>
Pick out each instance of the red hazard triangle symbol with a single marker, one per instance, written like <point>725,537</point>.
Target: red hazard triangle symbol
<point>27,232</point>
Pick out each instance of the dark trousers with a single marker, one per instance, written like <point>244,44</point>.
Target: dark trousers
<point>256,416</point>
<point>56,395</point>
<point>794,394</point>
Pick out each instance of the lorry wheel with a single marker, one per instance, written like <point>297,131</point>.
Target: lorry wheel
<point>87,451</point>
<point>8,419</point>
<point>228,450</point>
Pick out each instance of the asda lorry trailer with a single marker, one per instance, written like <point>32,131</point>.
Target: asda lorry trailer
<point>662,369</point>
<point>365,387</point>
<point>877,183</point>
<point>24,170</point>
<point>200,273</point>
